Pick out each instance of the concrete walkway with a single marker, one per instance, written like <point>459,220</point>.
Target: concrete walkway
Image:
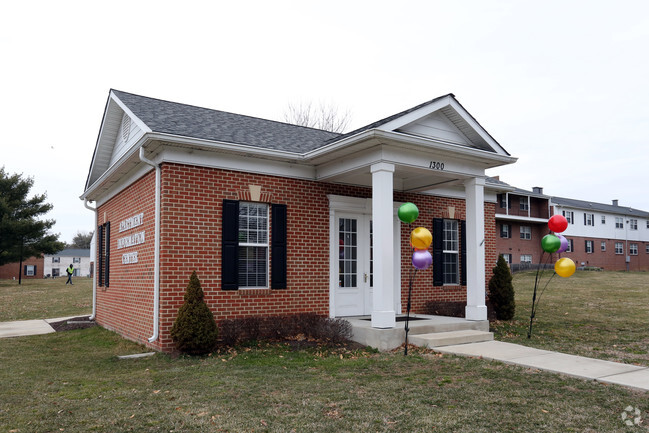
<point>23,328</point>
<point>631,376</point>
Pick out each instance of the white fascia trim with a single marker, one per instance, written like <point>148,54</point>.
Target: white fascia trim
<point>171,139</point>
<point>520,218</point>
<point>133,117</point>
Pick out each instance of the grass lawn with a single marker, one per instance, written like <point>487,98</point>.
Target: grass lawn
<point>73,382</point>
<point>44,298</point>
<point>596,314</point>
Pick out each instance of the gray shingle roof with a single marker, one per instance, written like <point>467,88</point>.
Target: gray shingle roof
<point>609,208</point>
<point>203,123</point>
<point>72,252</point>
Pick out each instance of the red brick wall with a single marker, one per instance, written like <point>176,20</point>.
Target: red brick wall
<point>192,200</point>
<point>10,270</point>
<point>126,306</point>
<point>608,260</point>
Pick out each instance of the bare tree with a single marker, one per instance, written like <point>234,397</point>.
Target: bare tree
<point>326,117</point>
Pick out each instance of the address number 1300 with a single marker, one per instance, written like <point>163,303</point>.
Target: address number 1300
<point>436,165</point>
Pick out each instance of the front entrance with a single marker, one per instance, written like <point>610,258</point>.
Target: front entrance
<point>353,267</point>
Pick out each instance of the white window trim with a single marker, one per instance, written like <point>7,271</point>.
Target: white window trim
<point>259,244</point>
<point>454,252</point>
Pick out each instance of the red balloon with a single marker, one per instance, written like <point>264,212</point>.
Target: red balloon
<point>558,223</point>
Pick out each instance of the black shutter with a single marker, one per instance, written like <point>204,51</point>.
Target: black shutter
<point>25,270</point>
<point>278,246</point>
<point>438,252</point>
<point>100,256</point>
<point>107,254</point>
<point>463,253</point>
<point>230,246</point>
<point>584,219</point>
<point>35,269</point>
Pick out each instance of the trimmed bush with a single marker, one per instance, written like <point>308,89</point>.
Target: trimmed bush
<point>501,291</point>
<point>194,330</point>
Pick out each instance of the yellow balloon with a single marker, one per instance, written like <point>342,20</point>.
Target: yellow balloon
<point>421,238</point>
<point>564,267</point>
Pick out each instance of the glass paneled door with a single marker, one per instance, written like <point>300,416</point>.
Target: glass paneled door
<point>353,267</point>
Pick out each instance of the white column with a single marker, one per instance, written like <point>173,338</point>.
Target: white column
<point>383,314</point>
<point>475,250</point>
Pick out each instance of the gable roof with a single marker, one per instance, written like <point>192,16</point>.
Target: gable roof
<point>196,122</point>
<point>600,207</point>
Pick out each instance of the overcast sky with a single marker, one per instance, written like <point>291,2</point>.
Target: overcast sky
<point>562,85</point>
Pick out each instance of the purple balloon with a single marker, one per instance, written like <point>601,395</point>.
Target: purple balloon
<point>564,244</point>
<point>421,259</point>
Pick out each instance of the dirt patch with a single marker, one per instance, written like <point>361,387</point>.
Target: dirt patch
<point>81,322</point>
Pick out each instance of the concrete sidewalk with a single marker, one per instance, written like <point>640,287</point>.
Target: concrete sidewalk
<point>28,327</point>
<point>627,375</point>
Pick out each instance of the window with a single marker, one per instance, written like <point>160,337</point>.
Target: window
<point>508,258</point>
<point>524,204</point>
<point>76,260</point>
<point>603,219</point>
<point>589,219</point>
<point>633,249</point>
<point>570,216</point>
<point>56,259</point>
<point>633,224</point>
<point>505,231</point>
<point>619,222</point>
<point>30,270</point>
<point>526,232</point>
<point>451,252</point>
<point>619,248</point>
<point>526,258</point>
<point>646,247</point>
<point>103,258</point>
<point>648,224</point>
<point>589,246</point>
<point>570,246</point>
<point>603,246</point>
<point>253,245</point>
<point>502,199</point>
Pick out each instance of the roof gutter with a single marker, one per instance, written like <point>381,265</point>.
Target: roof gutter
<point>156,249</point>
<point>94,279</point>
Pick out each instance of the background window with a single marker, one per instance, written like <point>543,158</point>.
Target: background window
<point>253,245</point>
<point>619,248</point>
<point>633,249</point>
<point>589,246</point>
<point>603,246</point>
<point>526,258</point>
<point>56,259</point>
<point>633,224</point>
<point>30,270</point>
<point>570,216</point>
<point>524,204</point>
<point>526,232</point>
<point>589,219</point>
<point>76,260</point>
<point>570,246</point>
<point>505,231</point>
<point>508,258</point>
<point>451,252</point>
<point>603,219</point>
<point>619,223</point>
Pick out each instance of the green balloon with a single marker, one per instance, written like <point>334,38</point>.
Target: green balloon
<point>408,212</point>
<point>550,243</point>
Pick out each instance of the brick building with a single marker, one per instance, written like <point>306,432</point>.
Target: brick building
<point>280,219</point>
<point>31,268</point>
<point>606,236</point>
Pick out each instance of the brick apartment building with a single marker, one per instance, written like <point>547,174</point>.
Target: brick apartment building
<point>610,237</point>
<point>280,219</point>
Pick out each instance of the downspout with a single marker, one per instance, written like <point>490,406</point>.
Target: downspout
<point>94,276</point>
<point>156,249</point>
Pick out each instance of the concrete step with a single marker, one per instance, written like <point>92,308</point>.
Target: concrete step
<point>451,338</point>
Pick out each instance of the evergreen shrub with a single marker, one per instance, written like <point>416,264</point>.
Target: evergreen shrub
<point>194,331</point>
<point>501,291</point>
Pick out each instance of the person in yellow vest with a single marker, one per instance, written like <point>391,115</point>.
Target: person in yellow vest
<point>70,271</point>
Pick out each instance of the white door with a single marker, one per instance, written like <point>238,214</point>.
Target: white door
<point>353,267</point>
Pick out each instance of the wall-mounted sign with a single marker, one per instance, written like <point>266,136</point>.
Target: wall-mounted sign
<point>131,240</point>
<point>128,258</point>
<point>132,222</point>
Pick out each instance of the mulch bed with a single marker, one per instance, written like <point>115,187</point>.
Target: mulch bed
<point>81,322</point>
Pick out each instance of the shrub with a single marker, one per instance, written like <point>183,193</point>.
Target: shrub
<point>501,291</point>
<point>194,331</point>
